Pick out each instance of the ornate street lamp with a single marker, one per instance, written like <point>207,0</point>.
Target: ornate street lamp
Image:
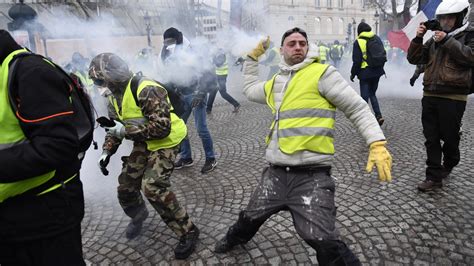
<point>23,19</point>
<point>354,28</point>
<point>147,20</point>
<point>376,16</point>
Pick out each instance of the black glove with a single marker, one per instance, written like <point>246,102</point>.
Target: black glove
<point>105,121</point>
<point>352,77</point>
<point>239,61</point>
<point>198,99</point>
<point>104,161</point>
<point>412,81</point>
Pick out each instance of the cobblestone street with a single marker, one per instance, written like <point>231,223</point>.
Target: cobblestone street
<point>383,224</point>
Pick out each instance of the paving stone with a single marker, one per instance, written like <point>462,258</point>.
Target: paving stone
<point>383,224</point>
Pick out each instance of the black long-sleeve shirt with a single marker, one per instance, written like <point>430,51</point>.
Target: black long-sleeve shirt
<point>45,116</point>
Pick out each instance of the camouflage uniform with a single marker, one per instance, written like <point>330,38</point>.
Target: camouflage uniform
<point>147,170</point>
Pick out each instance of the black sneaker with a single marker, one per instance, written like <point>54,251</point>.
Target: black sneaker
<point>429,185</point>
<point>380,120</point>
<point>183,163</point>
<point>236,109</point>
<point>209,165</point>
<point>187,244</point>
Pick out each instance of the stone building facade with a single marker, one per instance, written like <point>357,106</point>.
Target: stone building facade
<point>323,20</point>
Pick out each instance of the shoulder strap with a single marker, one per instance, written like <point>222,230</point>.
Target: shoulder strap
<point>11,76</point>
<point>137,78</point>
<point>44,58</point>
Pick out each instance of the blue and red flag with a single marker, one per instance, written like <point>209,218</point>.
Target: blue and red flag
<point>402,38</point>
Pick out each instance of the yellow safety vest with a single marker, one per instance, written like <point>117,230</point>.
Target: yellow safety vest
<point>363,46</point>
<point>84,79</point>
<point>323,50</point>
<point>305,118</point>
<point>11,134</point>
<point>223,70</point>
<point>338,48</point>
<point>131,114</point>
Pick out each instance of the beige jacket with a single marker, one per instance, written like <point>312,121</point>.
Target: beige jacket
<point>332,86</point>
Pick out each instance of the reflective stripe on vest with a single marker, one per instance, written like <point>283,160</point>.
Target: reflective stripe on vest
<point>223,70</point>
<point>363,46</point>
<point>305,119</point>
<point>132,115</point>
<point>11,134</point>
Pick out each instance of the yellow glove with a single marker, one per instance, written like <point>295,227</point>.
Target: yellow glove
<point>260,49</point>
<point>380,157</point>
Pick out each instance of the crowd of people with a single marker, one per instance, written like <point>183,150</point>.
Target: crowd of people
<point>41,197</point>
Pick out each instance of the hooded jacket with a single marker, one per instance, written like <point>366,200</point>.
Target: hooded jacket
<point>45,118</point>
<point>184,69</point>
<point>332,86</point>
<point>357,57</point>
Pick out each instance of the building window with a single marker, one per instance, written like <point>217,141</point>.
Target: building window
<point>317,25</point>
<point>317,3</point>
<point>340,26</point>
<point>341,3</point>
<point>329,3</point>
<point>329,26</point>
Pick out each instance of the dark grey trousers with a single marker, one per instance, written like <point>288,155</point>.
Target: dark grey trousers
<point>308,193</point>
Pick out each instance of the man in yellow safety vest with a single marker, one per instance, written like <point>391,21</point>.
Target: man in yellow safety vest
<point>41,197</point>
<point>303,97</point>
<point>142,112</point>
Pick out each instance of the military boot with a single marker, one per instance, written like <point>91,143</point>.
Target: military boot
<point>187,244</point>
<point>223,245</point>
<point>429,185</point>
<point>135,226</point>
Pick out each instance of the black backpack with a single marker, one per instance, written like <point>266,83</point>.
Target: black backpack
<point>376,54</point>
<point>173,94</point>
<point>84,114</point>
<point>336,52</point>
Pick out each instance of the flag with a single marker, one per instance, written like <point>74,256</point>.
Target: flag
<point>402,38</point>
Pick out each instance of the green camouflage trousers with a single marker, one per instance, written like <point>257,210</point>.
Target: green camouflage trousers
<point>150,171</point>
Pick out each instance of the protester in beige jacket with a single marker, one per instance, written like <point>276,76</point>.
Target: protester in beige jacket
<point>303,97</point>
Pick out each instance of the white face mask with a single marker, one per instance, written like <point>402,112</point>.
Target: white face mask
<point>171,48</point>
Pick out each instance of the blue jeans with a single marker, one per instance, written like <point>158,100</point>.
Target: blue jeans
<point>199,113</point>
<point>221,81</point>
<point>368,87</point>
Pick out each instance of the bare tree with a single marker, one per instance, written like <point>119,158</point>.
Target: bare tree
<point>389,9</point>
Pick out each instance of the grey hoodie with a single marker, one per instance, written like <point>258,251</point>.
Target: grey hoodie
<point>332,86</point>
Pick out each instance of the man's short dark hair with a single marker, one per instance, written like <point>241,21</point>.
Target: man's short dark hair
<point>291,31</point>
